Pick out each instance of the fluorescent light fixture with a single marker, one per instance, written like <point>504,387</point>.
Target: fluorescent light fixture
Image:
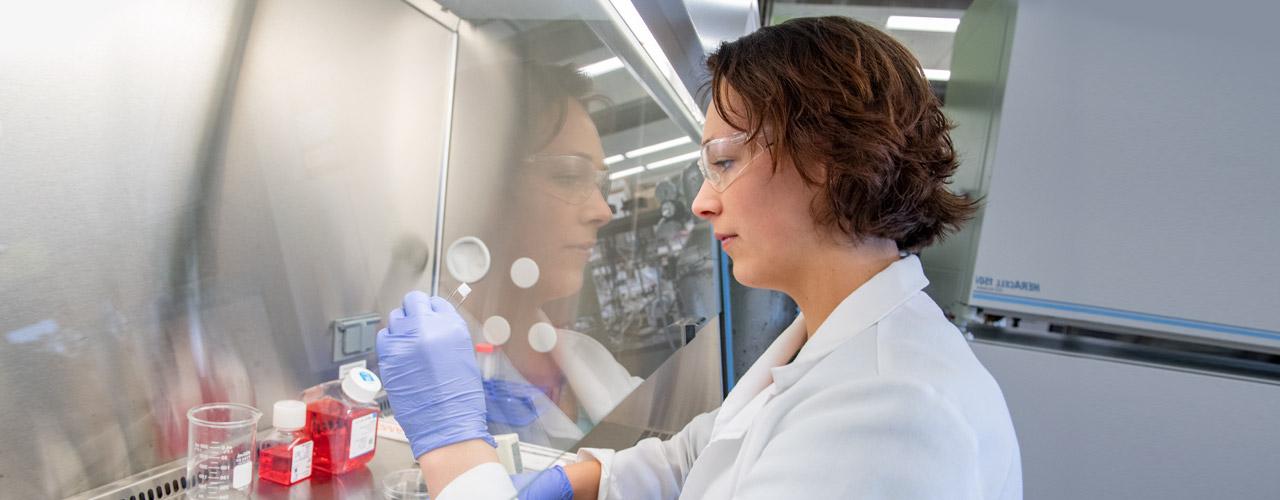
<point>626,173</point>
<point>626,12</point>
<point>614,159</point>
<point>636,153</point>
<point>599,68</point>
<point>673,160</point>
<point>912,23</point>
<point>940,75</point>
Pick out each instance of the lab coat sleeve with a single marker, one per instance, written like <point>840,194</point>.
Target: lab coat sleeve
<point>652,468</point>
<point>867,439</point>
<point>487,481</point>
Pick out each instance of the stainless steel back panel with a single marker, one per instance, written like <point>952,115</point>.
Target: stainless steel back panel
<point>192,191</point>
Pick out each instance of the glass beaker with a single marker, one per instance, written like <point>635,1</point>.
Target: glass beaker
<point>404,485</point>
<point>221,442</point>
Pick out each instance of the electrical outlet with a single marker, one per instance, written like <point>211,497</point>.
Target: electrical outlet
<point>354,336</point>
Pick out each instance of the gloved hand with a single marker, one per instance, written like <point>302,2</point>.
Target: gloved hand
<point>514,403</point>
<point>429,370</point>
<point>551,484</point>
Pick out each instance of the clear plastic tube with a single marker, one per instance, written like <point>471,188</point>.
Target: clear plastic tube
<point>459,294</point>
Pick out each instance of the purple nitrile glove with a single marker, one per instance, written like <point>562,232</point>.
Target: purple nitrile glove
<point>551,484</point>
<point>429,370</point>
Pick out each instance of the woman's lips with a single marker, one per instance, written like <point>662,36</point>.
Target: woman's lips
<point>726,239</point>
<point>584,248</point>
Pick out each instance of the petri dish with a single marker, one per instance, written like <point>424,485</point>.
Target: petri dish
<point>404,484</point>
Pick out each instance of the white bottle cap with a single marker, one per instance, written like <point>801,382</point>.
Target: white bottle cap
<point>289,415</point>
<point>361,385</point>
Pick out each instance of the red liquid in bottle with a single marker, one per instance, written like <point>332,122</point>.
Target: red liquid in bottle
<point>332,426</point>
<point>276,465</point>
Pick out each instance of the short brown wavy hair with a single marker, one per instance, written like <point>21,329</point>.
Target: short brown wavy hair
<point>836,93</point>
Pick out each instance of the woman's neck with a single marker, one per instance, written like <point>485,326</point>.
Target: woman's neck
<point>833,273</point>
<point>521,311</point>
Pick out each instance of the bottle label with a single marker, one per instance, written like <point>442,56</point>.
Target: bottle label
<point>242,472</point>
<point>300,467</point>
<point>363,431</point>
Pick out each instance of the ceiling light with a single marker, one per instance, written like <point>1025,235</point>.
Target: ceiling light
<point>912,23</point>
<point>642,38</point>
<point>626,173</point>
<point>635,153</point>
<point>599,68</point>
<point>614,159</point>
<point>940,75</point>
<point>673,160</point>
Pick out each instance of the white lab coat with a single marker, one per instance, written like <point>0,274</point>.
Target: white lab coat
<point>885,401</point>
<point>598,381</point>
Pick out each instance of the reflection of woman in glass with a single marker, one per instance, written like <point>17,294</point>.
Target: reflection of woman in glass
<point>552,384</point>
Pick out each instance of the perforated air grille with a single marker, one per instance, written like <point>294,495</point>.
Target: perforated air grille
<point>167,481</point>
<point>170,488</point>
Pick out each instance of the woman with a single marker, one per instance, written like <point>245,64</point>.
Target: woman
<point>826,160</point>
<point>548,208</point>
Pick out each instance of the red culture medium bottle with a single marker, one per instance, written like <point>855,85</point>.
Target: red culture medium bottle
<point>342,420</point>
<point>284,456</point>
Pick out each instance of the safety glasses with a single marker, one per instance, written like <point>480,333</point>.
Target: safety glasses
<point>571,178</point>
<point>724,160</point>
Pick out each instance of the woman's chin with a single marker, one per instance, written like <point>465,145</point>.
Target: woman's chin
<point>559,287</point>
<point>747,275</point>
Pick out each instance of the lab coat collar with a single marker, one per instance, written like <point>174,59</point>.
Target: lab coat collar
<point>866,306</point>
<point>759,376</point>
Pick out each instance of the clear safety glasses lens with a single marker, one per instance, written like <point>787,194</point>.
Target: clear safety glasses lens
<point>571,178</point>
<point>723,160</point>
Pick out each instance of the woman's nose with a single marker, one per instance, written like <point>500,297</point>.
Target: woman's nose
<point>707,204</point>
<point>596,211</point>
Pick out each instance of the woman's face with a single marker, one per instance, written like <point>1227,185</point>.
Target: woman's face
<point>762,219</point>
<point>558,207</point>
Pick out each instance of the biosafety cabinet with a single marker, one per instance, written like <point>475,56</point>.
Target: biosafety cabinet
<point>221,201</point>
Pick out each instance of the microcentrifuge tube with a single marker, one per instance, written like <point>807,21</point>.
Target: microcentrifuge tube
<point>459,294</point>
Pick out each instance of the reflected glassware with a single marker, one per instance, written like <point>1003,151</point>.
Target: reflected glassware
<point>221,450</point>
<point>405,484</point>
